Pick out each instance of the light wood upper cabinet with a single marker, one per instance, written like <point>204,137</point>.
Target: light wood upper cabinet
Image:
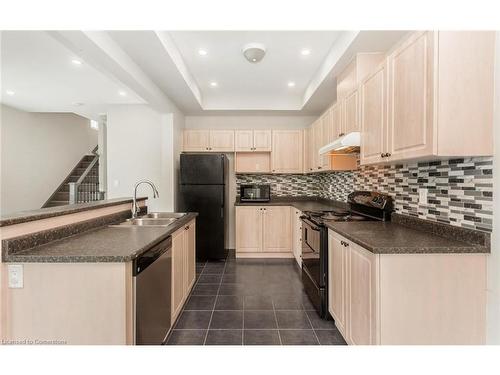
<point>209,140</point>
<point>253,140</point>
<point>287,151</point>
<point>277,229</point>
<point>373,98</point>
<point>262,140</point>
<point>196,140</point>
<point>336,113</point>
<point>439,84</point>
<point>411,97</point>
<point>243,140</point>
<point>222,140</point>
<point>249,229</point>
<point>252,162</point>
<point>351,113</point>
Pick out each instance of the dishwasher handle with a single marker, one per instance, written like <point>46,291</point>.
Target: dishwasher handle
<point>147,258</point>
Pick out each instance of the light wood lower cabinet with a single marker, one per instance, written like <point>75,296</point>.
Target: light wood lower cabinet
<point>183,266</point>
<point>398,299</point>
<point>263,231</point>
<point>297,235</point>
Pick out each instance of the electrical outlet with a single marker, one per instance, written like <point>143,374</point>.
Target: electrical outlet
<point>278,187</point>
<point>16,277</point>
<point>422,196</point>
<point>330,188</point>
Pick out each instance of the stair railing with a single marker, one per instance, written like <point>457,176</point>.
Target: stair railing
<point>86,188</point>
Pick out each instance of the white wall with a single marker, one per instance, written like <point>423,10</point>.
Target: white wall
<point>493,334</point>
<point>243,122</point>
<point>141,145</point>
<point>249,122</point>
<point>38,151</point>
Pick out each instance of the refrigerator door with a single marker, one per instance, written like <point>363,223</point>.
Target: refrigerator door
<point>208,201</point>
<point>202,169</point>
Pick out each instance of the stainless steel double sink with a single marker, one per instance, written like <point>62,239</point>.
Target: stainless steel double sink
<point>153,219</point>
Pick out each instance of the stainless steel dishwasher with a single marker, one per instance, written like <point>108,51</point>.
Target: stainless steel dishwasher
<point>152,285</point>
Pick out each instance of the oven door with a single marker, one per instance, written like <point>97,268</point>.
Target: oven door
<point>311,251</point>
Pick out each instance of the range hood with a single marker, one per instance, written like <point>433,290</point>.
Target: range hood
<point>347,144</point>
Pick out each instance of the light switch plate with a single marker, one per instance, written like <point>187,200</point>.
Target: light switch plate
<point>422,196</point>
<point>16,277</point>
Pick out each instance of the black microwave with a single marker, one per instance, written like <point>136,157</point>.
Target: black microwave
<point>255,193</point>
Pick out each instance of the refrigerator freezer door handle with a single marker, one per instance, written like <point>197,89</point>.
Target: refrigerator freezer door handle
<point>222,212</point>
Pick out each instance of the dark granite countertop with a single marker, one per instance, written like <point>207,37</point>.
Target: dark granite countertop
<point>106,244</point>
<point>44,213</point>
<point>300,203</point>
<point>396,238</point>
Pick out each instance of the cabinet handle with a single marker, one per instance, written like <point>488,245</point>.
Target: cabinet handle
<point>382,155</point>
<point>341,134</point>
<point>186,228</point>
<point>206,148</point>
<point>387,154</point>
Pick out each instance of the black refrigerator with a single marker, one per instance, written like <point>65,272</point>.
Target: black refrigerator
<point>203,180</point>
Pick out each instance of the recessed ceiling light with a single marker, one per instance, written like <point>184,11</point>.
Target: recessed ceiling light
<point>78,104</point>
<point>122,93</point>
<point>213,84</point>
<point>291,84</point>
<point>76,62</point>
<point>305,52</point>
<point>202,52</point>
<point>9,92</point>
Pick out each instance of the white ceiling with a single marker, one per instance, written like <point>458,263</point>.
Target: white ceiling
<point>161,67</point>
<point>40,72</point>
<point>246,86</point>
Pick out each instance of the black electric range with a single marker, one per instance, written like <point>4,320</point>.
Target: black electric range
<point>363,206</point>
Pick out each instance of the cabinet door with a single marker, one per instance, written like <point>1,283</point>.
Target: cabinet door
<point>326,137</point>
<point>222,140</point>
<point>337,262</point>
<point>248,229</point>
<point>318,143</point>
<point>351,113</point>
<point>311,147</point>
<point>297,235</point>
<point>362,296</point>
<point>252,162</point>
<point>277,226</point>
<point>243,140</point>
<point>178,291</point>
<point>337,120</point>
<point>373,116</point>
<point>190,251</point>
<point>287,151</point>
<point>305,150</point>
<point>410,120</point>
<point>262,140</point>
<point>196,140</point>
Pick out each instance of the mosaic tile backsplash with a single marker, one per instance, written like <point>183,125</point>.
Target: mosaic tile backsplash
<point>460,191</point>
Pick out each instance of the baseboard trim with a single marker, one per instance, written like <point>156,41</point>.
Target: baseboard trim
<point>265,255</point>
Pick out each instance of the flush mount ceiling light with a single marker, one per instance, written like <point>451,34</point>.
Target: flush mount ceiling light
<point>122,93</point>
<point>213,84</point>
<point>76,62</point>
<point>202,52</point>
<point>9,92</point>
<point>305,52</point>
<point>254,52</point>
<point>291,84</point>
<point>78,104</point>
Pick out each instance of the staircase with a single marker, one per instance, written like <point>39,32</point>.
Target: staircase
<point>81,185</point>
